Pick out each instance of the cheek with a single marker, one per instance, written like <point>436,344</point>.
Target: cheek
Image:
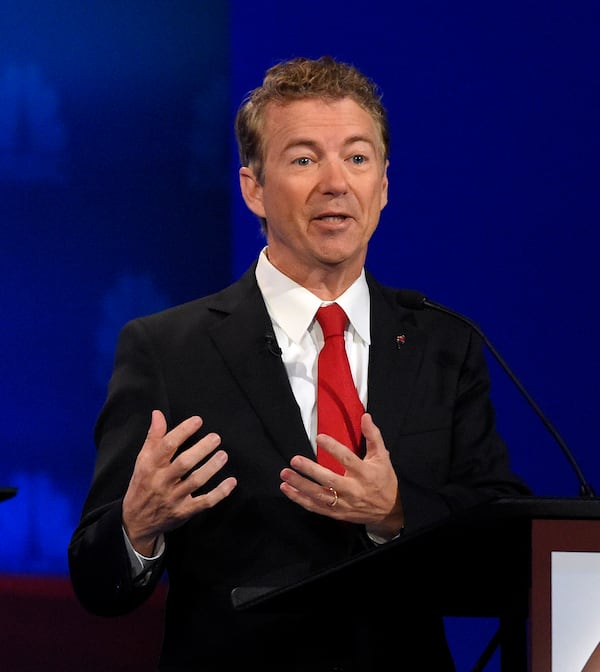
<point>284,197</point>
<point>272,202</point>
<point>377,201</point>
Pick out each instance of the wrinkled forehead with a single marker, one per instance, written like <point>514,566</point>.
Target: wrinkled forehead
<point>318,120</point>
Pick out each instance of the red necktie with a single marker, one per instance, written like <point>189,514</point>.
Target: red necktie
<point>339,408</point>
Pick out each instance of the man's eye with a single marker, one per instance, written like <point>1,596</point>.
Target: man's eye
<point>302,161</point>
<point>358,159</point>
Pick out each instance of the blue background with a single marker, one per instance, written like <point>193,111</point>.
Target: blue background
<point>494,185</point>
<point>119,196</point>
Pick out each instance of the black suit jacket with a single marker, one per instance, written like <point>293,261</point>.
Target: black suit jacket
<point>427,392</point>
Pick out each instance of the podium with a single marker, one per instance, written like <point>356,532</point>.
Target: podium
<point>492,560</point>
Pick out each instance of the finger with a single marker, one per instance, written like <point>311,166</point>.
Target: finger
<point>172,440</point>
<point>373,437</point>
<point>320,500</point>
<point>213,497</point>
<point>158,426</point>
<point>190,459</point>
<point>303,470</point>
<point>344,455</point>
<point>310,490</point>
<point>198,473</point>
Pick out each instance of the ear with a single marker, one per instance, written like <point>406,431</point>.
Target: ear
<point>252,191</point>
<point>384,187</point>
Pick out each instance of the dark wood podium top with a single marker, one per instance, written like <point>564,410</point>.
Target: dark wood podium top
<point>474,563</point>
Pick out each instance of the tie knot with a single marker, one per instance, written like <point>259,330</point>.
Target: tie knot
<point>333,320</point>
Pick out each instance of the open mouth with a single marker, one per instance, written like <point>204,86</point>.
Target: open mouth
<point>332,218</point>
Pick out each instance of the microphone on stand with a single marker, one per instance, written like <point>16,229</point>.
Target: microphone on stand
<point>415,300</point>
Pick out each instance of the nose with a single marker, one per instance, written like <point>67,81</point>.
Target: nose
<point>333,178</point>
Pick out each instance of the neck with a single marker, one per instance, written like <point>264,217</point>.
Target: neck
<point>327,281</point>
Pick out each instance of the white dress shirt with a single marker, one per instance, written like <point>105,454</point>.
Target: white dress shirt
<point>292,310</point>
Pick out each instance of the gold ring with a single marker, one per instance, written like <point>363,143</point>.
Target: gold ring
<point>333,491</point>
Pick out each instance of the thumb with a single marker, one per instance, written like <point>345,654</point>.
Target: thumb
<point>373,439</point>
<point>158,426</point>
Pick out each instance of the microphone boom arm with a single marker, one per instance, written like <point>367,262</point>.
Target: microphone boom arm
<point>585,489</point>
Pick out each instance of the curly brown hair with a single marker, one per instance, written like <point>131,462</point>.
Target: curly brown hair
<point>300,78</point>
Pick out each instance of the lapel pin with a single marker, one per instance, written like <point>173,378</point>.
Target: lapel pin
<point>400,341</point>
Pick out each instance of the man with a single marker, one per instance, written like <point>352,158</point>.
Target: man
<point>207,440</point>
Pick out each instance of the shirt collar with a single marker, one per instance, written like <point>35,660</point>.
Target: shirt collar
<point>293,307</point>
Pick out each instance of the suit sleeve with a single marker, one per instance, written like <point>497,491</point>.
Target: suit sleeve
<point>99,564</point>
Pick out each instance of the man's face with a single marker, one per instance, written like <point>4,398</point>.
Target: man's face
<point>325,184</point>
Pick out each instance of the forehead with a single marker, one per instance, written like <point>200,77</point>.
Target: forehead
<point>318,121</point>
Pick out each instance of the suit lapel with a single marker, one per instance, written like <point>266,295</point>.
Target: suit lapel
<point>241,339</point>
<point>396,351</point>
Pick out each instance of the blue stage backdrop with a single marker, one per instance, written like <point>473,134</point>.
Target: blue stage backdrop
<point>114,201</point>
<point>494,206</point>
<point>119,196</point>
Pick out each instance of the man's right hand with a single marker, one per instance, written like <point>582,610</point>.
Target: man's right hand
<point>158,498</point>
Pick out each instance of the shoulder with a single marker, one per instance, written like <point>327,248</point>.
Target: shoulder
<point>403,310</point>
<point>205,309</point>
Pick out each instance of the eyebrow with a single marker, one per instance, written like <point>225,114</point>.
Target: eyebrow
<point>306,142</point>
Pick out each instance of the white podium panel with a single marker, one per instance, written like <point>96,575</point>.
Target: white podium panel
<point>565,596</point>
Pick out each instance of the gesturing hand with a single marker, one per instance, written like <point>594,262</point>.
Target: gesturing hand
<point>158,498</point>
<point>366,493</point>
